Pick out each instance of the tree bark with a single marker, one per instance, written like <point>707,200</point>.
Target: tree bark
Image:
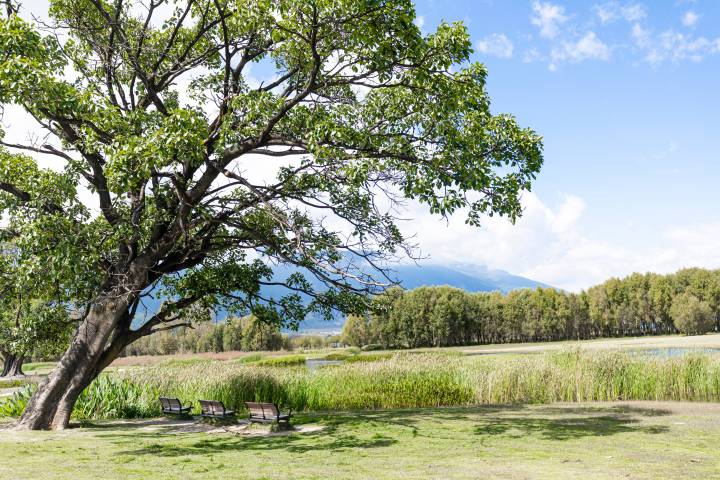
<point>52,404</point>
<point>12,366</point>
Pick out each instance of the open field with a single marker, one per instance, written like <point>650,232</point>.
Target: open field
<point>639,440</point>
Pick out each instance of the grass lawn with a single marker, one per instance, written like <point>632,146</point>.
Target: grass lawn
<point>611,440</point>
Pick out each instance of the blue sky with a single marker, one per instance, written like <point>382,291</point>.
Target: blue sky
<point>626,97</point>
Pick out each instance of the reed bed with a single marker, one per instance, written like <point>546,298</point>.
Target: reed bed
<point>409,380</point>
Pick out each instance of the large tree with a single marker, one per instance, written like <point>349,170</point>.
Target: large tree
<point>166,110</point>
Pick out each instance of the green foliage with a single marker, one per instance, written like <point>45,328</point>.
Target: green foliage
<point>285,361</point>
<point>233,334</point>
<point>31,327</point>
<point>252,358</point>
<point>337,356</point>
<point>308,342</point>
<point>446,316</point>
<point>112,397</point>
<point>356,330</point>
<point>691,315</point>
<point>14,405</point>
<point>107,397</point>
<point>12,383</point>
<point>369,357</point>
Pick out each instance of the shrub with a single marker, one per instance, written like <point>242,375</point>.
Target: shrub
<point>691,315</point>
<point>371,347</point>
<point>337,356</point>
<point>370,357</point>
<point>286,361</point>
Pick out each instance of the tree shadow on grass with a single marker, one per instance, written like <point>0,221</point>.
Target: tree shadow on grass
<point>565,428</point>
<point>550,422</point>
<point>327,440</point>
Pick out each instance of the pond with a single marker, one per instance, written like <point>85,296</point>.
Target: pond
<point>672,352</point>
<point>315,363</point>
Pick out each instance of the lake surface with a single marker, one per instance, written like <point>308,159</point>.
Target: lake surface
<point>313,364</point>
<point>672,352</point>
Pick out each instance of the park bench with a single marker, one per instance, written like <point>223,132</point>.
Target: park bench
<point>266,413</point>
<point>215,409</point>
<point>174,406</point>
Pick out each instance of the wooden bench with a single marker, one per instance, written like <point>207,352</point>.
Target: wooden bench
<point>266,413</point>
<point>215,409</point>
<point>174,406</point>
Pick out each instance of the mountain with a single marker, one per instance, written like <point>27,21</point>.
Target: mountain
<point>473,278</point>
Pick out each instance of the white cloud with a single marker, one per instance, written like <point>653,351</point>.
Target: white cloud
<point>609,12</point>
<point>496,44</point>
<point>690,18</point>
<point>550,245</point>
<point>673,46</point>
<point>548,17</point>
<point>587,47</point>
<point>633,13</point>
<point>531,55</point>
<point>419,21</point>
<point>641,36</point>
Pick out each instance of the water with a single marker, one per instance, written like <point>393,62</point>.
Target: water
<point>314,364</point>
<point>672,352</point>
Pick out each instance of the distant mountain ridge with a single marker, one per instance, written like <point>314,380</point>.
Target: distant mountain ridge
<point>473,278</point>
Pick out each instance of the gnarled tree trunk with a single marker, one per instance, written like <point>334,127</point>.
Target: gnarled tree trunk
<point>12,365</point>
<point>90,351</point>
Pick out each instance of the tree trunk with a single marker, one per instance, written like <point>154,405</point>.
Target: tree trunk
<point>52,404</point>
<point>12,366</point>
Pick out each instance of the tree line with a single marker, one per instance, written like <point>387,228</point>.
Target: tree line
<point>246,334</point>
<point>687,301</point>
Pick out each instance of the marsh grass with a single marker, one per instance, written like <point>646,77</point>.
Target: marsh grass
<point>404,380</point>
<point>285,361</point>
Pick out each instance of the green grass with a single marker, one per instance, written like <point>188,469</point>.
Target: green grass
<point>285,361</point>
<point>598,441</point>
<point>38,368</point>
<point>13,383</point>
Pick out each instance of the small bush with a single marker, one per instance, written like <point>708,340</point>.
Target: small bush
<point>287,361</point>
<point>371,347</point>
<point>13,383</point>
<point>253,357</point>
<point>337,356</point>
<point>14,405</point>
<point>371,357</point>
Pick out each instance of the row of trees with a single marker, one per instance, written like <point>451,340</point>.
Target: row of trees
<point>641,304</point>
<point>233,334</point>
<point>236,333</point>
